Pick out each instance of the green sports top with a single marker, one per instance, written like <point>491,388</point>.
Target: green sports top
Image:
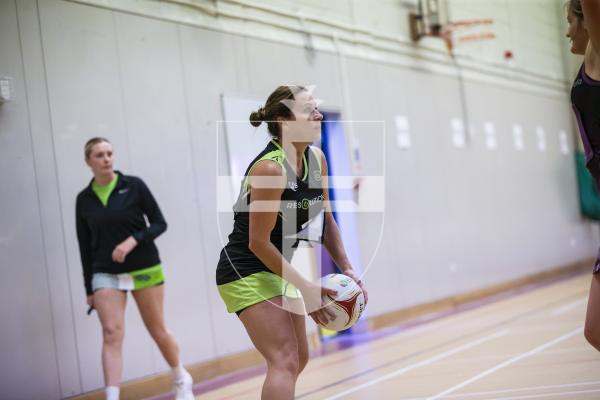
<point>300,215</point>
<point>103,192</point>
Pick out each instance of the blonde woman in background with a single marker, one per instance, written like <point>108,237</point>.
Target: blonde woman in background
<point>118,254</point>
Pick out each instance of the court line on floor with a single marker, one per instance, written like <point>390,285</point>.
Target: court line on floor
<point>539,396</point>
<point>422,363</point>
<point>568,307</point>
<point>521,389</point>
<point>499,357</point>
<point>508,362</point>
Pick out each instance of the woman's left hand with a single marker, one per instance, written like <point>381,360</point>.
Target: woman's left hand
<point>123,248</point>
<point>350,273</point>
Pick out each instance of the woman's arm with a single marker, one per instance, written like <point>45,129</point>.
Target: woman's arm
<point>332,239</point>
<point>591,17</point>
<point>157,224</point>
<point>266,186</point>
<point>150,207</point>
<point>85,248</point>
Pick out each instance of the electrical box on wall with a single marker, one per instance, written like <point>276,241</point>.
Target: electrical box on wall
<point>7,92</point>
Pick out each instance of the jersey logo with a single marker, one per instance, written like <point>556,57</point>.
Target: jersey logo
<point>577,82</point>
<point>317,175</point>
<point>293,185</point>
<point>123,191</point>
<point>305,204</point>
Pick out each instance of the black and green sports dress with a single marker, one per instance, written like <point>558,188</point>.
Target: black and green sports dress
<point>242,279</point>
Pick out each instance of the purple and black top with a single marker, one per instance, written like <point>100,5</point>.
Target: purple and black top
<point>585,98</point>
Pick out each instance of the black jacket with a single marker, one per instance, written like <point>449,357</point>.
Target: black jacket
<point>100,229</point>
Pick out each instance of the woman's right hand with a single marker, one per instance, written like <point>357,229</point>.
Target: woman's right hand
<point>315,300</point>
<point>90,301</point>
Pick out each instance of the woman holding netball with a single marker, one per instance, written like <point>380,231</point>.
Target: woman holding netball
<point>284,190</point>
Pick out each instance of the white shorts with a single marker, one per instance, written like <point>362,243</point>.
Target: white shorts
<point>135,280</point>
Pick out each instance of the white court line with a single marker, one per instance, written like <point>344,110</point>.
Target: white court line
<point>539,396</point>
<point>421,363</point>
<point>522,389</point>
<point>507,363</point>
<point>566,350</point>
<point>568,307</point>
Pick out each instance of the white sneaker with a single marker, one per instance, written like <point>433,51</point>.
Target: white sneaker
<point>183,388</point>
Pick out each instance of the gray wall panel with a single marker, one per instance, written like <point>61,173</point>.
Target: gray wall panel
<point>50,205</point>
<point>28,344</point>
<point>85,100</point>
<point>203,52</point>
<point>161,152</point>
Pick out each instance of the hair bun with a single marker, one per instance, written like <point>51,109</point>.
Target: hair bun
<point>257,117</point>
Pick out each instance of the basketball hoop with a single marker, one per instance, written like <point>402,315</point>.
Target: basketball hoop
<point>449,31</point>
<point>469,23</point>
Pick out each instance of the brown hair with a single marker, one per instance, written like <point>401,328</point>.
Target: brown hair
<point>91,143</point>
<point>274,107</point>
<point>574,7</point>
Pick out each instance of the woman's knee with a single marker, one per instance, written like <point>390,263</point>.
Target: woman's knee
<point>286,358</point>
<point>302,358</point>
<point>113,334</point>
<point>592,335</point>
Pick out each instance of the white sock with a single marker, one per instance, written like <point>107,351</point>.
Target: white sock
<point>112,393</point>
<point>178,372</point>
